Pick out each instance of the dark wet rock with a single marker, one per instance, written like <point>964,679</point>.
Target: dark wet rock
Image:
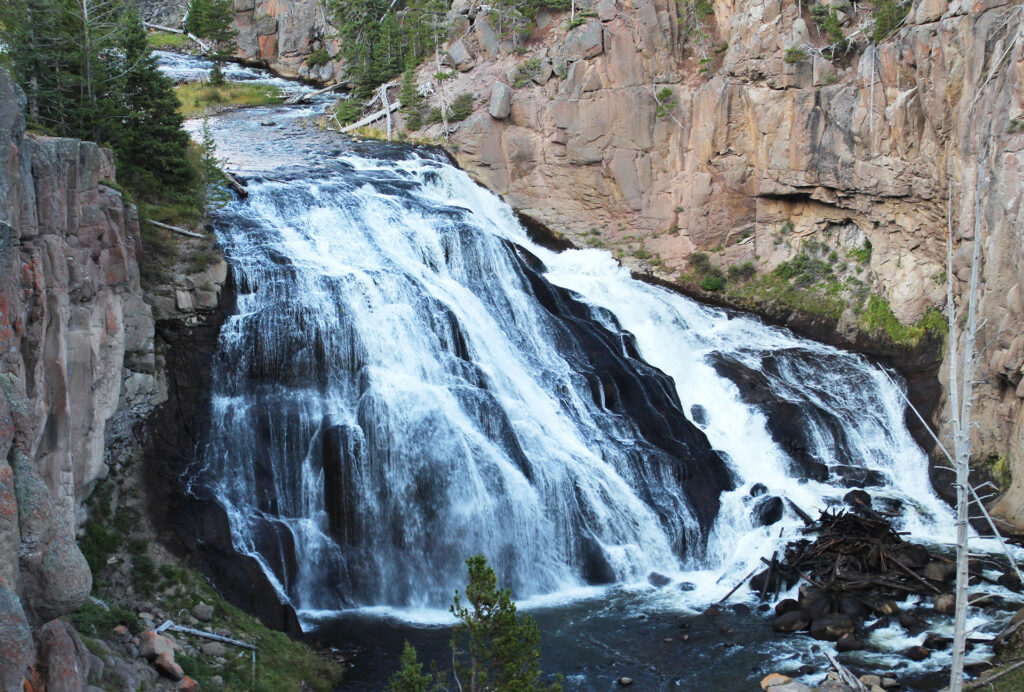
<point>819,608</point>
<point>757,582</point>
<point>913,555</point>
<point>849,605</point>
<point>786,605</point>
<point>699,415</point>
<point>741,609</point>
<point>832,627</point>
<point>758,489</point>
<point>791,621</point>
<point>945,604</point>
<point>713,611</point>
<point>940,570</point>
<point>917,653</point>
<point>886,606</point>
<point>687,586</point>
<point>658,580</point>
<point>858,498</point>
<point>849,642</point>
<point>912,624</point>
<point>936,642</point>
<point>1009,581</point>
<point>767,511</point>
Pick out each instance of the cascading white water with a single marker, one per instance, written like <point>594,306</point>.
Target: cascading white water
<point>401,388</point>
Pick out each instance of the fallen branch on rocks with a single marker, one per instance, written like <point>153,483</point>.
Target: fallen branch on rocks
<point>308,96</point>
<point>170,625</point>
<point>172,30</point>
<point>176,229</point>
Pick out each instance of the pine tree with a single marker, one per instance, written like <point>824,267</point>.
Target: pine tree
<point>495,647</point>
<point>410,677</point>
<point>150,144</point>
<point>211,19</point>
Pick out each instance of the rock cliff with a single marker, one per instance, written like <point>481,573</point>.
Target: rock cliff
<point>656,129</point>
<point>76,349</point>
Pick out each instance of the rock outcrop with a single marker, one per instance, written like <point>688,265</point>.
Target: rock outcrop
<point>283,34</point>
<point>73,331</point>
<point>657,142</point>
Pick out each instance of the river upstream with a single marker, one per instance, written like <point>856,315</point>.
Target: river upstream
<point>409,380</point>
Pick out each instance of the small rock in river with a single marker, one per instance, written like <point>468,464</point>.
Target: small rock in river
<point>625,682</point>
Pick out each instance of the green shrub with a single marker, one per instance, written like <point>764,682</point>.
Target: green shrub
<point>713,280</point>
<point>94,620</point>
<point>742,272</point>
<point>144,574</point>
<point>462,106</point>
<point>97,544</point>
<point>888,15</point>
<point>794,54</point>
<point>526,72</point>
<point>804,270</point>
<point>699,262</point>
<point>862,254</point>
<point>666,101</point>
<point>349,110</point>
<point>414,121</point>
<point>318,58</point>
<point>434,116</point>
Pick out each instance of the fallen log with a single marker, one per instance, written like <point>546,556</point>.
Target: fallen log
<point>307,96</point>
<point>371,118</point>
<point>236,185</point>
<point>804,516</point>
<point>741,583</point>
<point>176,229</point>
<point>172,30</point>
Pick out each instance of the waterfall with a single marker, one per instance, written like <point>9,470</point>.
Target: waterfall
<point>409,381</point>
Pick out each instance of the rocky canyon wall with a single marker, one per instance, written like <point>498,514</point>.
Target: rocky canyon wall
<point>751,157</point>
<point>76,350</point>
<point>756,157</point>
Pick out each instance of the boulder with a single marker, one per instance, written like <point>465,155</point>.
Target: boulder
<point>501,101</point>
<point>658,580</point>
<point>945,604</point>
<point>832,627</point>
<point>940,570</point>
<point>187,684</point>
<point>792,621</point>
<point>202,612</point>
<point>786,605</point>
<point>63,658</point>
<point>912,623</point>
<point>936,642</point>
<point>858,498</point>
<point>165,665</point>
<point>917,653</point>
<point>15,640</point>
<point>214,649</point>
<point>849,642</point>
<point>152,645</point>
<point>585,42</point>
<point>886,606</point>
<point>459,57</point>
<point>757,488</point>
<point>767,511</point>
<point>487,37</point>
<point>606,10</point>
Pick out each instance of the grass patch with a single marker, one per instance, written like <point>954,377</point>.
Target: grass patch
<point>92,619</point>
<point>283,664</point>
<point>198,99</point>
<point>877,316</point>
<point>164,40</point>
<point>812,299</point>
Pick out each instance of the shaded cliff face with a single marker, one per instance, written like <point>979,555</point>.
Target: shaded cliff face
<point>76,348</point>
<point>756,158</point>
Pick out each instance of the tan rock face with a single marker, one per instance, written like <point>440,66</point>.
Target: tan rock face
<point>284,33</point>
<point>869,147</point>
<point>73,329</point>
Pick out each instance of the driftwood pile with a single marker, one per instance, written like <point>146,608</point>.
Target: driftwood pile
<point>858,567</point>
